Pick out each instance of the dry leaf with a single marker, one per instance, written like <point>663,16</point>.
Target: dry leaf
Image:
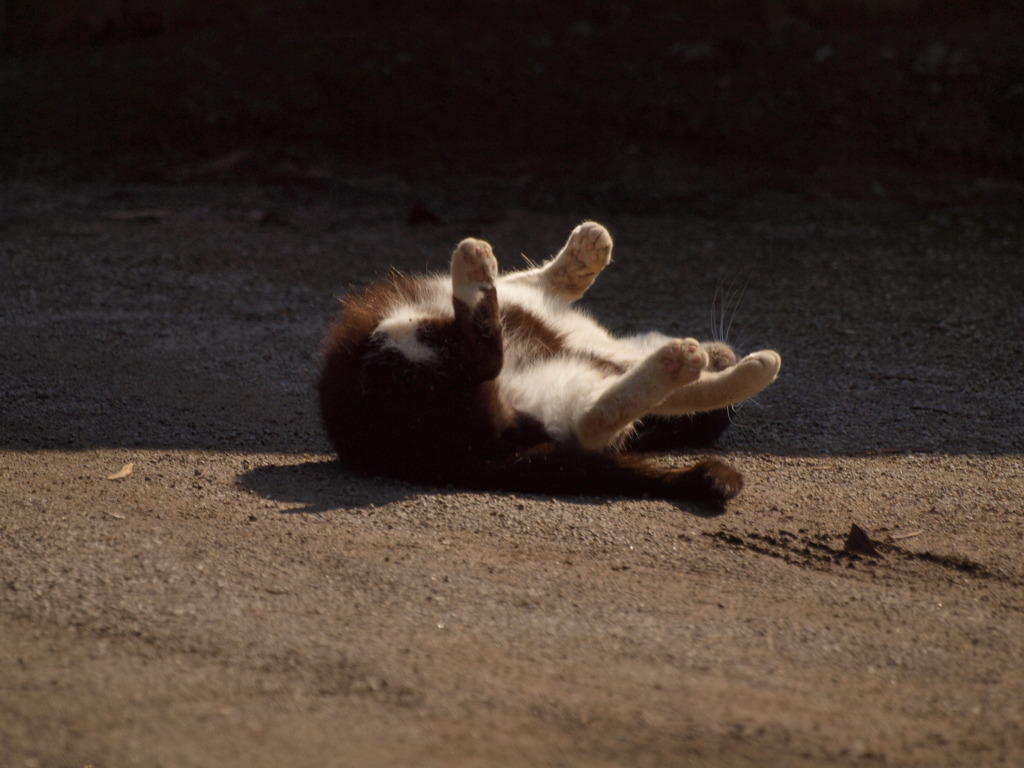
<point>123,473</point>
<point>902,536</point>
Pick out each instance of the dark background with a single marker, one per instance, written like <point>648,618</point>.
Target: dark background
<point>848,97</point>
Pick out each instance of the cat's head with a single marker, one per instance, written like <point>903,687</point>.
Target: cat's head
<point>720,355</point>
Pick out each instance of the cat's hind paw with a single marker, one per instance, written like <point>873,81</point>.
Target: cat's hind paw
<point>665,370</point>
<point>682,360</point>
<point>474,270</point>
<point>587,252</point>
<point>761,368</point>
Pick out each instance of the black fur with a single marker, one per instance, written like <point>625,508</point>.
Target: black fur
<point>666,433</point>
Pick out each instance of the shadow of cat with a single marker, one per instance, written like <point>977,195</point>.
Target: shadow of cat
<point>323,486</point>
<point>326,485</point>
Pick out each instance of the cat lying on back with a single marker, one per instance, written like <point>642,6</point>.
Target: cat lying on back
<point>496,382</point>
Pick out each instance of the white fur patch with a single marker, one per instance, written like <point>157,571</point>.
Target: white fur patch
<point>401,335</point>
<point>555,391</point>
<point>471,293</point>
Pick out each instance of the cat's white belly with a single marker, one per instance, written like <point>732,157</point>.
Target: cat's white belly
<point>553,391</point>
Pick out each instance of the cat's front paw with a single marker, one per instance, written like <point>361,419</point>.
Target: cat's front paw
<point>590,245</point>
<point>587,252</point>
<point>474,270</point>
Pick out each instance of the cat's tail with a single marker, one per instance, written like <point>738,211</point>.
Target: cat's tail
<point>558,470</point>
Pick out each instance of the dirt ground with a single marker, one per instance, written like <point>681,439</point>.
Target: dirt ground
<point>187,577</point>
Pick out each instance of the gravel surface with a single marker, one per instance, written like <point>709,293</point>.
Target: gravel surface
<point>187,577</point>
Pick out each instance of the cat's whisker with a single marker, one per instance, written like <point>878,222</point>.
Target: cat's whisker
<point>725,304</point>
<point>732,411</point>
<point>737,297</point>
<point>715,323</point>
<point>723,308</point>
<point>753,401</point>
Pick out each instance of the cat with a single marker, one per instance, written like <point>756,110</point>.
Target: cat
<point>497,382</point>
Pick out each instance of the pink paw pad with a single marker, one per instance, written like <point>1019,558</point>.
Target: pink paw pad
<point>586,257</point>
<point>683,354</point>
<point>672,364</point>
<point>475,260</point>
<point>590,246</point>
<point>479,261</point>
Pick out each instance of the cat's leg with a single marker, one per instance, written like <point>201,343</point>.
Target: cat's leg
<point>475,344</point>
<point>636,392</point>
<point>474,270</point>
<point>574,268</point>
<point>438,352</point>
<point>571,272</point>
<point>719,389</point>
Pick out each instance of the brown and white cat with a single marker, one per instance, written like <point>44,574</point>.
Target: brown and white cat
<point>497,382</point>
